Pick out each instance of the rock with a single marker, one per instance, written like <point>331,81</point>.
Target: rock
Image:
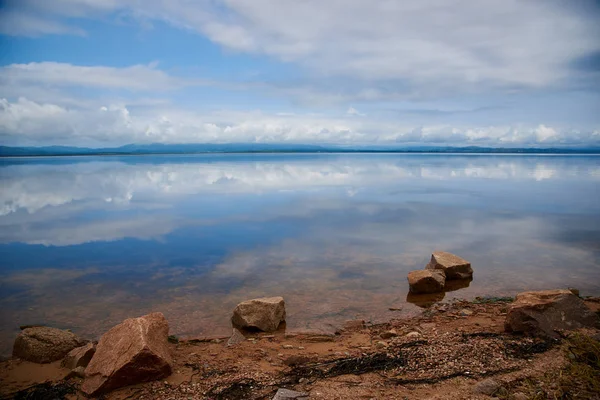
<point>487,386</point>
<point>78,372</point>
<point>574,291</point>
<point>265,314</point>
<point>413,335</point>
<point>453,266</point>
<point>381,344</point>
<point>520,396</point>
<point>426,281</point>
<point>543,312</point>
<point>465,312</point>
<point>286,394</point>
<point>43,344</point>
<point>134,351</point>
<point>388,334</point>
<point>79,357</point>
<point>287,346</point>
<point>354,324</point>
<point>236,338</point>
<point>296,360</point>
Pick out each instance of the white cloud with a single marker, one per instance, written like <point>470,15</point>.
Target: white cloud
<point>25,121</point>
<point>135,77</point>
<point>16,23</point>
<point>427,48</point>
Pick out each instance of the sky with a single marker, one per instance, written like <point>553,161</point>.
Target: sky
<point>102,73</point>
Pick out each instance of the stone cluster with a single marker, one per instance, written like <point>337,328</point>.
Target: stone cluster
<point>443,266</point>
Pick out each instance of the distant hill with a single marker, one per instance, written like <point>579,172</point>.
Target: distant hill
<point>158,148</point>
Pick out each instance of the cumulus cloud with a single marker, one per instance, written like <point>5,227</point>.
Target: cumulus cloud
<point>373,55</point>
<point>24,121</point>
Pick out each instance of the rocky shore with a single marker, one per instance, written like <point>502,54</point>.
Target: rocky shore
<point>542,344</point>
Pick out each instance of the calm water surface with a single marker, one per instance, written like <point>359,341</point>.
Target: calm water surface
<point>87,242</point>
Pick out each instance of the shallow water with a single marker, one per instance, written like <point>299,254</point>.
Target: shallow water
<point>87,242</point>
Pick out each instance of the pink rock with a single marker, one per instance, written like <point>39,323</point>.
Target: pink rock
<point>453,266</point>
<point>132,352</point>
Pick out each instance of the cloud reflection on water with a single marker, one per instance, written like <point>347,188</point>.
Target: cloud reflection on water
<point>335,234</point>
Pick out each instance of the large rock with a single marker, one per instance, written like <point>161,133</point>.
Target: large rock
<point>543,312</point>
<point>43,344</point>
<point>79,357</point>
<point>264,314</point>
<point>132,352</point>
<point>426,281</point>
<point>453,266</point>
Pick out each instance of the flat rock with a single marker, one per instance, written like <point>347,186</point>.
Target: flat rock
<point>286,394</point>
<point>543,312</point>
<point>453,266</point>
<point>79,357</point>
<point>487,386</point>
<point>264,314</point>
<point>236,338</point>
<point>43,344</point>
<point>354,324</point>
<point>132,352</point>
<point>426,281</point>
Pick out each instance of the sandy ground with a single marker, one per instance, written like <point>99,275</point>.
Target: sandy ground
<point>440,354</point>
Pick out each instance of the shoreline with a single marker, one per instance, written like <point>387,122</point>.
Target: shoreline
<point>456,336</point>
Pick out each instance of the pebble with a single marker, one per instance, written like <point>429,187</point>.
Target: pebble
<point>388,334</point>
<point>286,394</point>
<point>487,386</point>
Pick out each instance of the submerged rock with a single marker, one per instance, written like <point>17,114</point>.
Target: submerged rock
<point>426,281</point>
<point>264,314</point>
<point>43,344</point>
<point>132,352</point>
<point>79,357</point>
<point>543,312</point>
<point>453,266</point>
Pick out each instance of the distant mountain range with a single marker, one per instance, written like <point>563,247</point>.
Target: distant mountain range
<point>157,148</point>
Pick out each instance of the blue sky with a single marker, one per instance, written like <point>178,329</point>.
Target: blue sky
<point>353,72</point>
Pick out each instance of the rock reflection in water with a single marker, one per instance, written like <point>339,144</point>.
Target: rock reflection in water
<point>428,300</point>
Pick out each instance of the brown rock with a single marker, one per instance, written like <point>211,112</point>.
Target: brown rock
<point>236,338</point>
<point>453,266</point>
<point>78,372</point>
<point>426,281</point>
<point>354,324</point>
<point>487,386</point>
<point>388,334</point>
<point>132,352</point>
<point>79,357</point>
<point>543,312</point>
<point>264,314</point>
<point>42,344</point>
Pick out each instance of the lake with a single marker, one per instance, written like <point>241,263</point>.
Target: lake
<point>86,242</point>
